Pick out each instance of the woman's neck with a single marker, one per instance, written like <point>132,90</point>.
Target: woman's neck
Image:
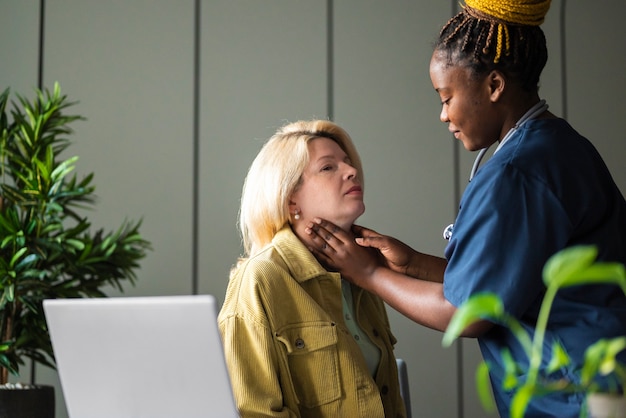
<point>299,228</point>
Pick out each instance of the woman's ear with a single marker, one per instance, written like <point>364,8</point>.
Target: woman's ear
<point>294,210</point>
<point>496,83</point>
<point>293,207</point>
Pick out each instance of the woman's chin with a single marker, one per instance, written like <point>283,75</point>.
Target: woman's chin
<point>344,224</point>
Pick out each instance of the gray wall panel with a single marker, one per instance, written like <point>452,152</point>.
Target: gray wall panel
<point>263,64</point>
<point>384,97</point>
<point>19,49</point>
<point>596,74</point>
<point>129,64</point>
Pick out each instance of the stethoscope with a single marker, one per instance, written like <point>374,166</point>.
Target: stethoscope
<point>532,113</point>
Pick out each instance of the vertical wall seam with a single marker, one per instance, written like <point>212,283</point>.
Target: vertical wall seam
<point>330,70</point>
<point>195,224</point>
<point>42,15</point>
<point>40,55</point>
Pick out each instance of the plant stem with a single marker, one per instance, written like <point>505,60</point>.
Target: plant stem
<point>540,330</point>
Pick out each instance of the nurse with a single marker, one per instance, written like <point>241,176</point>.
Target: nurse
<point>545,188</point>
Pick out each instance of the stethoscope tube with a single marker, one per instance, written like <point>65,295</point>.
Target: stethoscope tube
<point>532,113</point>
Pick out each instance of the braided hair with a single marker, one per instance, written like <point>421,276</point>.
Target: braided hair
<point>499,35</point>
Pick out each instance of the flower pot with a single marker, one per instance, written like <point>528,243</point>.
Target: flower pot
<point>605,405</point>
<point>29,401</point>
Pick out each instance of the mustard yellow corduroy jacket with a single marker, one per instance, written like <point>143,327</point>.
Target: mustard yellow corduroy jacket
<point>288,350</point>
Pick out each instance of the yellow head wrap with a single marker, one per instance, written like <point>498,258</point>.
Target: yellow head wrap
<point>516,12</point>
<point>508,12</point>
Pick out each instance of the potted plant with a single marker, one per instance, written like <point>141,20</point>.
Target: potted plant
<point>47,250</point>
<point>570,267</point>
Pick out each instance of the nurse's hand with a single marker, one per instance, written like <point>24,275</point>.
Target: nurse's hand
<point>337,250</point>
<point>401,258</point>
<point>398,256</point>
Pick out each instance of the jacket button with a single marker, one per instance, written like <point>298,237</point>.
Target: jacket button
<point>299,343</point>
<point>375,332</point>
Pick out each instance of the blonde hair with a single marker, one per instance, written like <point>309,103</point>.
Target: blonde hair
<point>275,174</point>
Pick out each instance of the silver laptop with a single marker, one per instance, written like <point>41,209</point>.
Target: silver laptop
<point>140,357</point>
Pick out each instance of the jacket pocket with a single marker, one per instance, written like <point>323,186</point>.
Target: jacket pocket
<point>313,361</point>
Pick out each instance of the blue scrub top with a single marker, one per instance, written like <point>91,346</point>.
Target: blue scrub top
<point>546,189</point>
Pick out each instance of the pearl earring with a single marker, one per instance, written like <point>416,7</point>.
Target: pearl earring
<point>297,215</point>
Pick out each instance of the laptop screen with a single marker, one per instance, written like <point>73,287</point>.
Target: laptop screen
<point>140,357</point>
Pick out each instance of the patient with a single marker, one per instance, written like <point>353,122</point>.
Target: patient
<point>300,341</point>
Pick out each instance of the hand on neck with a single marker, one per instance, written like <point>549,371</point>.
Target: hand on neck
<point>298,227</point>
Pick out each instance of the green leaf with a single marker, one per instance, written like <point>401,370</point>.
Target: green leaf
<point>600,358</point>
<point>79,245</point>
<point>63,169</point>
<point>478,307</point>
<point>575,266</point>
<point>510,380</point>
<point>520,401</point>
<point>559,359</point>
<point>16,256</point>
<point>483,387</point>
<point>591,365</point>
<point>8,294</point>
<point>613,348</point>
<point>567,261</point>
<point>599,273</point>
<point>44,174</point>
<point>27,261</point>
<point>7,225</point>
<point>110,251</point>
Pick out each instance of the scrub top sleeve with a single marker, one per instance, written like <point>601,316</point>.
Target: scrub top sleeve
<point>507,227</point>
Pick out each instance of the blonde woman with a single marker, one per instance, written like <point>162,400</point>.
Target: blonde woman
<point>299,340</point>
